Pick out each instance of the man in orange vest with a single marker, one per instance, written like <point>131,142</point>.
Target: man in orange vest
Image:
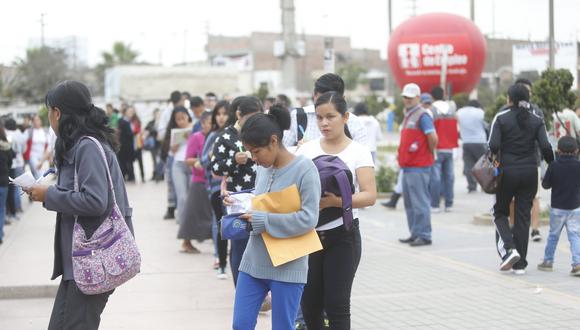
<point>418,142</point>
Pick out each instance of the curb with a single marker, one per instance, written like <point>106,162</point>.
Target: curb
<point>28,291</point>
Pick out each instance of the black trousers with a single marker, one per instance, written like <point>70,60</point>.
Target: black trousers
<point>521,184</point>
<point>471,154</point>
<point>73,310</point>
<point>222,244</point>
<point>330,276</point>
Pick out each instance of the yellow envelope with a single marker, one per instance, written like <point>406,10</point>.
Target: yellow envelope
<point>283,250</point>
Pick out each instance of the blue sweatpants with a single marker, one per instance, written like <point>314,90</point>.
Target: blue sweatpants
<point>250,293</point>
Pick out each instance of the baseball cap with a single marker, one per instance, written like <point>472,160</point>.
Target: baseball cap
<point>426,98</point>
<point>411,90</point>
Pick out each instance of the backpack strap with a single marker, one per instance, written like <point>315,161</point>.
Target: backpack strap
<point>302,123</point>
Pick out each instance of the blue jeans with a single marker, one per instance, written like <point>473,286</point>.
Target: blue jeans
<point>559,219</point>
<point>171,196</point>
<point>417,199</point>
<point>3,197</point>
<point>237,248</point>
<point>250,294</point>
<point>442,179</point>
<point>18,171</point>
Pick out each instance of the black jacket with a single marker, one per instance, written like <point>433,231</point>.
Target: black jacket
<point>516,146</point>
<point>6,155</point>
<point>563,176</point>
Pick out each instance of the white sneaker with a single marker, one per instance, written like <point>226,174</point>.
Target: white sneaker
<point>510,259</point>
<point>435,210</point>
<point>221,274</point>
<point>449,209</point>
<point>519,271</point>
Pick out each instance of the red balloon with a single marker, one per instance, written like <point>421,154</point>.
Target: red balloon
<point>418,46</point>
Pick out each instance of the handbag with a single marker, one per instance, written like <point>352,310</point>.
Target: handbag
<point>487,173</point>
<point>232,227</point>
<point>110,257</point>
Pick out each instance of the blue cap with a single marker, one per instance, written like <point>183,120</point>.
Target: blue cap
<point>426,98</point>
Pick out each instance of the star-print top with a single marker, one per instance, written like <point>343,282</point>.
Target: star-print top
<point>223,162</point>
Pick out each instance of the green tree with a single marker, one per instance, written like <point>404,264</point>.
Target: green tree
<point>120,54</point>
<point>375,104</point>
<point>39,71</point>
<point>552,92</point>
<point>460,99</point>
<point>493,109</point>
<point>351,74</point>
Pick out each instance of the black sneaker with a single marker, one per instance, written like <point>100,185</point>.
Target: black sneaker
<point>170,214</point>
<point>536,236</point>
<point>509,260</point>
<point>407,240</point>
<point>420,242</point>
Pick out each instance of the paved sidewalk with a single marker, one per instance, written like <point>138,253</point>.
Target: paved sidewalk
<point>453,284</point>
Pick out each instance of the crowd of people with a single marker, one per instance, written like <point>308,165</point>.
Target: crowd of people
<point>206,149</point>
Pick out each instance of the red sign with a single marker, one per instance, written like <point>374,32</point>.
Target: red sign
<point>419,46</point>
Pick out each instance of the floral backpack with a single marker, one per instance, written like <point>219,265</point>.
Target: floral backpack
<point>108,258</point>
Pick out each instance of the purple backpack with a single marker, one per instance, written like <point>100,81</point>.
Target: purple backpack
<point>110,257</point>
<point>336,178</point>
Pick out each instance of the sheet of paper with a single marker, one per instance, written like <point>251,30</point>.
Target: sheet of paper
<point>179,136</point>
<point>283,250</point>
<point>26,180</point>
<point>242,203</point>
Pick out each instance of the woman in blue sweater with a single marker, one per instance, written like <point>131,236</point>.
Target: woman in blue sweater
<point>279,169</point>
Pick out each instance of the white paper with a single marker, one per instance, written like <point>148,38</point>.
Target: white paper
<point>242,203</point>
<point>179,136</point>
<point>25,181</point>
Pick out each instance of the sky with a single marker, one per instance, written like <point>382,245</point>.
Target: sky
<point>172,31</point>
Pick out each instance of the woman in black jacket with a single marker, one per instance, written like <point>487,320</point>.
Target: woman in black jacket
<point>6,155</point>
<point>514,132</point>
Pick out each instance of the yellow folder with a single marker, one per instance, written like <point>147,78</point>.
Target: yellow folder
<point>283,250</point>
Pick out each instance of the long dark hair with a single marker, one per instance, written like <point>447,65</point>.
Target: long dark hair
<point>171,125</point>
<point>258,129</point>
<point>79,117</point>
<point>221,104</point>
<point>339,103</point>
<point>519,96</point>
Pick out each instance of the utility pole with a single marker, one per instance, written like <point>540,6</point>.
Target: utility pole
<point>42,24</point>
<point>391,85</point>
<point>552,41</point>
<point>290,52</point>
<point>472,10</point>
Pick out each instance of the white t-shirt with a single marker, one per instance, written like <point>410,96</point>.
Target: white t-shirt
<point>373,130</point>
<point>355,156</point>
<point>39,143</point>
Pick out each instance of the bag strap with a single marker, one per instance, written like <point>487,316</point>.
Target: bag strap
<point>104,158</point>
<point>346,196</point>
<point>301,121</point>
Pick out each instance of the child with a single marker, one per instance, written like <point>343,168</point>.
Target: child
<point>563,176</point>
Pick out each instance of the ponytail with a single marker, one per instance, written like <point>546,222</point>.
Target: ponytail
<point>519,97</point>
<point>258,129</point>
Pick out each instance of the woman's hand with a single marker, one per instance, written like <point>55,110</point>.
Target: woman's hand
<point>37,192</point>
<point>191,162</point>
<point>330,200</point>
<point>174,148</point>
<point>247,217</point>
<point>241,158</point>
<point>227,200</point>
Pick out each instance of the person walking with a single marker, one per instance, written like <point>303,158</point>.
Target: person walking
<point>473,132</point>
<point>513,136</point>
<point>331,271</point>
<point>36,146</point>
<point>563,177</point>
<point>126,154</point>
<point>416,156</point>
<point>72,116</point>
<point>262,136</point>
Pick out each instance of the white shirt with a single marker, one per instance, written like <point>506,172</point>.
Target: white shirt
<point>355,126</point>
<point>571,122</point>
<point>39,143</point>
<point>373,131</point>
<point>355,156</point>
<point>18,141</point>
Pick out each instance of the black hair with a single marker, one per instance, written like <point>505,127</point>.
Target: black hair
<point>3,133</point>
<point>258,129</point>
<point>233,108</point>
<point>283,100</point>
<point>329,82</point>
<point>361,109</point>
<point>519,96</point>
<point>175,97</point>
<point>524,81</point>
<point>567,145</point>
<point>474,103</point>
<point>210,94</point>
<point>221,104</point>
<point>437,93</point>
<point>204,116</point>
<point>271,99</point>
<point>186,94</point>
<point>195,102</point>
<point>339,103</point>
<point>171,125</point>
<point>78,117</point>
<point>10,124</point>
<point>250,104</point>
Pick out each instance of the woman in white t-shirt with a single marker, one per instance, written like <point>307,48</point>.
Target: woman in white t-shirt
<point>331,271</point>
<point>38,143</point>
<point>372,127</point>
